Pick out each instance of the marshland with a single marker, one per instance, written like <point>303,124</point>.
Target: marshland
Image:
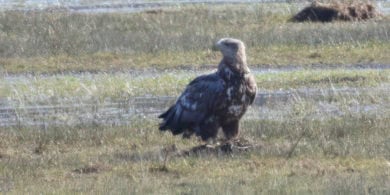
<point>80,93</point>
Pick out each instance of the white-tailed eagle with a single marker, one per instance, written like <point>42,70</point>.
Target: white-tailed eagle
<point>216,100</point>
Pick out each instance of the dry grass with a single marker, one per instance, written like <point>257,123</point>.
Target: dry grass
<point>302,149</point>
<point>335,155</point>
<point>273,56</point>
<point>61,41</point>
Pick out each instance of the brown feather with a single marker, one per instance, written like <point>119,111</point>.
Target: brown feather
<point>217,100</point>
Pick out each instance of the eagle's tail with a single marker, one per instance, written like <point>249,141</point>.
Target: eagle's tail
<point>171,120</point>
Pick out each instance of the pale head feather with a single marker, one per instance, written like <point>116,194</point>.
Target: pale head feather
<point>233,51</point>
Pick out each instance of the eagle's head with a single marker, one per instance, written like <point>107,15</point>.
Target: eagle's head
<point>233,51</point>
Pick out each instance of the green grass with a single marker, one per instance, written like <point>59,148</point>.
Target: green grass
<point>61,41</point>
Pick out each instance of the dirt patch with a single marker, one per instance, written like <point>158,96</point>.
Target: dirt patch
<point>328,12</point>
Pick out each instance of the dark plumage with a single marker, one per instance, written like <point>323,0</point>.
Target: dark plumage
<point>216,100</point>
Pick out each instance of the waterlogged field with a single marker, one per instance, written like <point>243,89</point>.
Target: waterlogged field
<point>78,106</point>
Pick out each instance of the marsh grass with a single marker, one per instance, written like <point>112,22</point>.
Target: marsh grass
<point>63,41</point>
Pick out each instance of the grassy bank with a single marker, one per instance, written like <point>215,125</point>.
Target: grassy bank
<point>171,38</point>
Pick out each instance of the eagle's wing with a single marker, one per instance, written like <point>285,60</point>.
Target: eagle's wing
<point>251,88</point>
<point>199,100</point>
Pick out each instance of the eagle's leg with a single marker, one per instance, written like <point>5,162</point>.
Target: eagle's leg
<point>230,129</point>
<point>208,130</point>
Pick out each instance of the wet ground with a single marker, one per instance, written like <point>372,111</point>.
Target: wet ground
<point>276,105</point>
<point>269,105</point>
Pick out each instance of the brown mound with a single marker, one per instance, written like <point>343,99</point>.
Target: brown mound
<point>319,12</point>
